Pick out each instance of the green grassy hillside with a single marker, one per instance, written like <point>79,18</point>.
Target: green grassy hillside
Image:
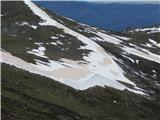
<point>27,96</point>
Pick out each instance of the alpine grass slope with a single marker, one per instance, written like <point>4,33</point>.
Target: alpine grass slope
<point>56,68</point>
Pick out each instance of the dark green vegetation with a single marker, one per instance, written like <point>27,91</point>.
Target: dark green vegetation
<point>133,70</point>
<point>16,36</point>
<point>27,96</point>
<point>141,73</point>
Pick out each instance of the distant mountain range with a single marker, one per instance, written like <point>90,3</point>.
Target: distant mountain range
<point>112,16</point>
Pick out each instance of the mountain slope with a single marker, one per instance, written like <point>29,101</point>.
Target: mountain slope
<point>23,98</point>
<point>101,71</point>
<point>40,48</point>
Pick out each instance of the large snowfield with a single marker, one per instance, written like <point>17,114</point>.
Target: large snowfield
<point>101,69</point>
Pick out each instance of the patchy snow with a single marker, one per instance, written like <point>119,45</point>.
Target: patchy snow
<point>48,66</point>
<point>137,61</point>
<point>114,101</point>
<point>149,45</point>
<point>154,75</point>
<point>154,43</point>
<point>66,73</point>
<point>96,38</point>
<point>53,43</point>
<point>29,38</point>
<point>123,38</point>
<point>80,30</point>
<point>38,43</point>
<point>34,26</point>
<point>70,19</point>
<point>134,51</point>
<point>61,35</point>
<point>151,30</point>
<point>54,37</point>
<point>108,38</point>
<point>146,54</point>
<point>141,52</point>
<point>22,24</point>
<point>26,23</point>
<point>100,69</point>
<point>38,52</point>
<point>129,58</point>
<point>154,71</point>
<point>131,44</point>
<point>42,49</point>
<point>59,42</point>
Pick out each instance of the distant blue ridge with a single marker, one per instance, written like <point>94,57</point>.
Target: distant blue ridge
<point>110,16</point>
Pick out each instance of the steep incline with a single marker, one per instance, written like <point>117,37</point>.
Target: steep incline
<point>97,68</point>
<point>54,68</point>
<point>77,55</point>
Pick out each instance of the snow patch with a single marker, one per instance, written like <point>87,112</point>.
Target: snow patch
<point>66,74</point>
<point>149,30</point>
<point>147,55</point>
<point>96,39</point>
<point>101,68</point>
<point>114,101</point>
<point>129,58</point>
<point>108,38</point>
<point>38,43</point>
<point>154,43</point>
<point>149,45</point>
<point>53,43</point>
<point>54,37</point>
<point>34,26</point>
<point>123,38</point>
<point>26,23</point>
<point>61,35</point>
<point>59,42</point>
<point>38,52</point>
<point>154,71</point>
<point>29,38</point>
<point>137,61</point>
